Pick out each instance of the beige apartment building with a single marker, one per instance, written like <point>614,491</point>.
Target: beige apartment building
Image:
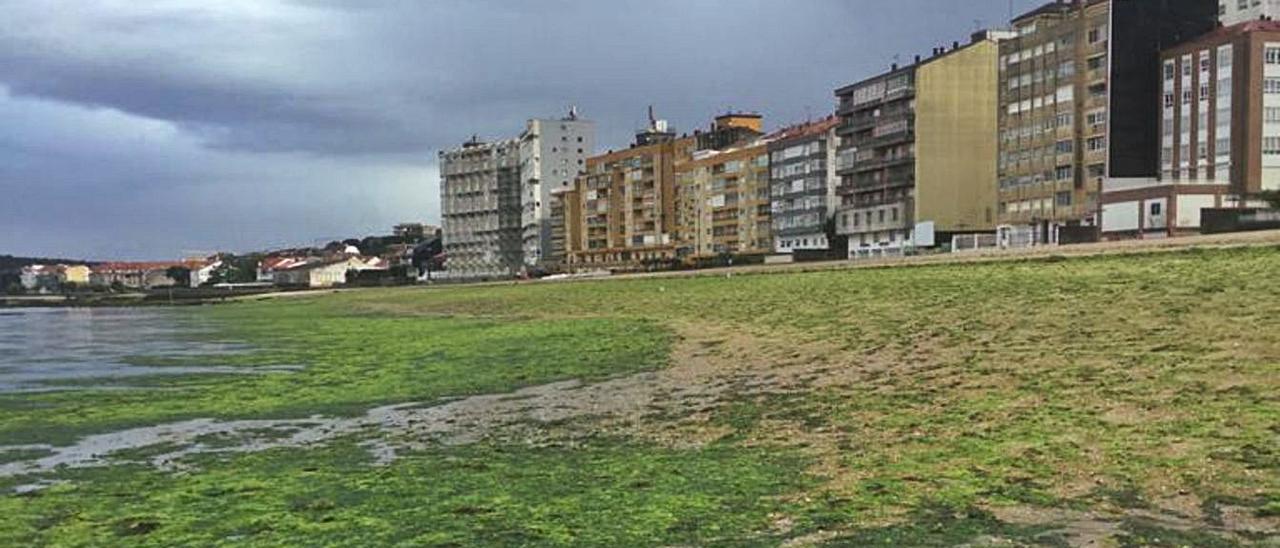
<point>723,202</point>
<point>626,203</point>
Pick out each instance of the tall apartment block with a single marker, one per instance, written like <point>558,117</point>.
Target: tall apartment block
<point>627,203</point>
<point>918,148</point>
<point>566,213</point>
<point>1220,133</point>
<point>722,203</point>
<point>1221,109</point>
<point>1234,12</point>
<point>480,201</point>
<point>1077,91</point>
<point>803,181</point>
<point>553,152</point>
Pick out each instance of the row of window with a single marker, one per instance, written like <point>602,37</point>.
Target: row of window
<point>878,214</point>
<point>1059,199</point>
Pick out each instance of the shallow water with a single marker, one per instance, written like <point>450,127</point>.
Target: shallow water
<point>46,348</point>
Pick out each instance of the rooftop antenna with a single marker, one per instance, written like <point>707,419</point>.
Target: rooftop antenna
<point>573,112</point>
<point>653,121</point>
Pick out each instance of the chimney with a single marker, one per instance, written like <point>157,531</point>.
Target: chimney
<point>917,59</point>
<point>955,45</point>
<point>893,67</point>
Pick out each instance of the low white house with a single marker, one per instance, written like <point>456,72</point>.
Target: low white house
<point>200,274</point>
<point>326,273</point>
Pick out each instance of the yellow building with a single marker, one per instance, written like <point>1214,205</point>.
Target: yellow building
<point>76,274</point>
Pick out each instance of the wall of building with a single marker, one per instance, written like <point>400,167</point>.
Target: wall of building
<point>1139,30</point>
<point>956,101</point>
<point>803,185</point>
<point>553,153</point>
<point>724,203</point>
<point>627,212</point>
<point>481,213</point>
<point>1239,11</point>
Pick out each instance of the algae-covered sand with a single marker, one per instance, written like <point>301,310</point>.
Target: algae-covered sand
<point>1127,401</point>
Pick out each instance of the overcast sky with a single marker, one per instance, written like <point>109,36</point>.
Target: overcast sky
<point>155,129</point>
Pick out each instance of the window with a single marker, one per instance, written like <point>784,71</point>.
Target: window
<point>1271,146</point>
<point>1065,147</point>
<point>1156,208</point>
<point>1271,114</point>
<point>1204,91</point>
<point>1095,144</point>
<point>895,213</point>
<point>1096,118</point>
<point>1168,71</point>
<point>1271,86</point>
<point>1168,99</point>
<point>1095,35</point>
<point>1273,56</point>
<point>1063,199</point>
<point>1063,173</point>
<point>1096,63</point>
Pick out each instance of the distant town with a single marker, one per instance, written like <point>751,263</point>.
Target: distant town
<point>1079,121</point>
<point>411,251</point>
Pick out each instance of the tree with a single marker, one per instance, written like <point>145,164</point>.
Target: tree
<point>235,270</point>
<point>180,275</point>
<point>11,283</point>
<point>1271,197</point>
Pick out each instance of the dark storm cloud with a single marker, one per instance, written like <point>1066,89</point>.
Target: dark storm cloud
<point>250,92</point>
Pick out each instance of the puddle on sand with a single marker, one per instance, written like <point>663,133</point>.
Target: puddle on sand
<point>401,426</point>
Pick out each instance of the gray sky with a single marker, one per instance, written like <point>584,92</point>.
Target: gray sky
<point>155,129</point>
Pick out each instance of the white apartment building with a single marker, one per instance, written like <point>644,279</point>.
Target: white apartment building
<point>1232,12</point>
<point>480,209</point>
<point>553,152</point>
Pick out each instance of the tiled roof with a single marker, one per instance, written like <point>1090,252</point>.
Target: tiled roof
<point>805,129</point>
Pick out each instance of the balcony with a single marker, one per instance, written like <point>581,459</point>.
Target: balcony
<point>881,163</point>
<point>887,140</point>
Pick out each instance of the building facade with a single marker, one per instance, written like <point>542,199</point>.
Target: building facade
<point>1220,109</point>
<point>626,200</point>
<point>918,147</point>
<point>1077,85</point>
<point>723,203</point>
<point>553,153</point>
<point>1234,12</point>
<point>1220,133</point>
<point>566,213</point>
<point>480,193</point>
<point>803,181</point>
